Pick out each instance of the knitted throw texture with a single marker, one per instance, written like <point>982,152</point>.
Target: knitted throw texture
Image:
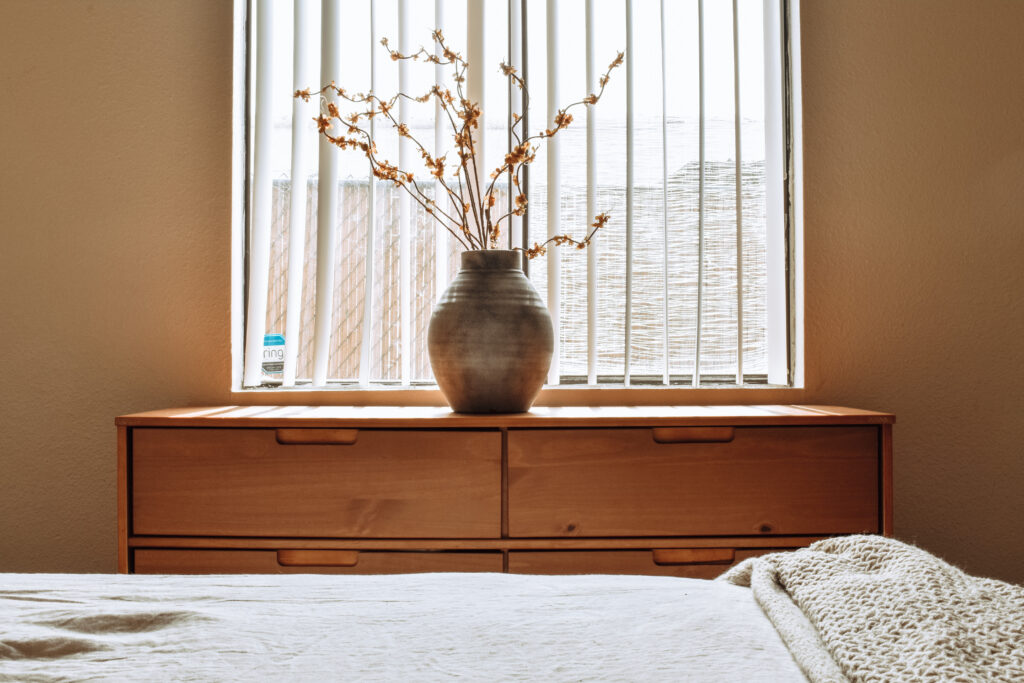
<point>868,608</point>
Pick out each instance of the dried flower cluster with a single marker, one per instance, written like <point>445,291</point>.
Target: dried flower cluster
<point>468,213</point>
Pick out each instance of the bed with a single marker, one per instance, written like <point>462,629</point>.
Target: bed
<point>401,627</point>
<point>851,608</point>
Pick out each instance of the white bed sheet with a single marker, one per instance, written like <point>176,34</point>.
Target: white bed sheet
<point>404,627</point>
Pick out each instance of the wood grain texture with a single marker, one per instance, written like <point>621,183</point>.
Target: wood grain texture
<point>667,556</point>
<point>356,417</point>
<point>432,544</point>
<point>619,482</point>
<point>886,479</point>
<point>342,437</point>
<point>317,558</point>
<point>160,561</point>
<point>122,500</point>
<point>617,562</point>
<point>242,482</point>
<point>683,491</point>
<point>692,434</point>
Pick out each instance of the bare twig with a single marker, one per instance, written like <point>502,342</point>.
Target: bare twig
<point>468,197</point>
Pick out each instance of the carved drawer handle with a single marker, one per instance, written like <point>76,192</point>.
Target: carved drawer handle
<point>693,434</point>
<point>341,437</point>
<point>667,556</point>
<point>317,558</point>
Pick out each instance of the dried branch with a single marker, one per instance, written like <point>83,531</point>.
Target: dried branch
<point>469,199</point>
<point>542,248</point>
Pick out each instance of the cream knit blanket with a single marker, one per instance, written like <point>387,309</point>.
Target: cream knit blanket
<point>868,608</point>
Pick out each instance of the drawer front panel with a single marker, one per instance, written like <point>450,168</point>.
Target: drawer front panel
<point>343,484</point>
<point>646,562</point>
<point>645,482</point>
<point>159,561</point>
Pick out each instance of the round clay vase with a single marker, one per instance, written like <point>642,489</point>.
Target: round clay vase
<point>490,337</point>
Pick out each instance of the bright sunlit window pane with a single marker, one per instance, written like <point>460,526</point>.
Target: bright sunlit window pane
<point>730,218</point>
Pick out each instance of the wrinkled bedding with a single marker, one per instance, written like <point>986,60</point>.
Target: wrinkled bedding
<point>57,627</point>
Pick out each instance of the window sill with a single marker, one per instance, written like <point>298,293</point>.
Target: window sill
<point>579,395</point>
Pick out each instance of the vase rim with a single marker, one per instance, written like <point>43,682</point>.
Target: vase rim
<point>492,259</point>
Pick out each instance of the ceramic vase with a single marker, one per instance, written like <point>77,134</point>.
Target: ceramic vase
<point>490,337</point>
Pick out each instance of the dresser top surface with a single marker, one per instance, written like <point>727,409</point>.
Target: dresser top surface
<point>444,418</point>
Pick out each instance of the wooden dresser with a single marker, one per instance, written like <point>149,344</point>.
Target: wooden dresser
<point>683,491</point>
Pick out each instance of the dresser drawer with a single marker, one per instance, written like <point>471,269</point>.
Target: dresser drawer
<point>159,561</point>
<point>316,483</point>
<point>693,481</point>
<point>693,563</point>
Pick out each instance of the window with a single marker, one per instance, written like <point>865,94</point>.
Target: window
<point>691,151</point>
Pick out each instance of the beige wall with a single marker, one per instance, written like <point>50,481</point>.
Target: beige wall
<point>114,268</point>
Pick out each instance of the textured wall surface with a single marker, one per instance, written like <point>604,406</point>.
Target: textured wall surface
<point>115,178</point>
<point>914,212</point>
<point>115,272</point>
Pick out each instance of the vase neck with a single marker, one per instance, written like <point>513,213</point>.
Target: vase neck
<point>492,259</point>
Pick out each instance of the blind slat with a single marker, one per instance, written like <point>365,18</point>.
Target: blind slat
<point>327,197</point>
<point>630,161</point>
<point>525,221</point>
<point>475,86</point>
<point>667,372</point>
<point>739,190</point>
<point>515,99</point>
<point>366,339</point>
<point>591,197</point>
<point>700,192</point>
<point>262,193</point>
<point>553,191</point>
<point>441,245</point>
<point>301,114</point>
<point>405,217</point>
<point>775,220</point>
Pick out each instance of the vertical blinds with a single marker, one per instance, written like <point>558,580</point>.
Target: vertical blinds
<point>686,285</point>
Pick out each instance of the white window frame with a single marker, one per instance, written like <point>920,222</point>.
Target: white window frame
<point>786,355</point>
